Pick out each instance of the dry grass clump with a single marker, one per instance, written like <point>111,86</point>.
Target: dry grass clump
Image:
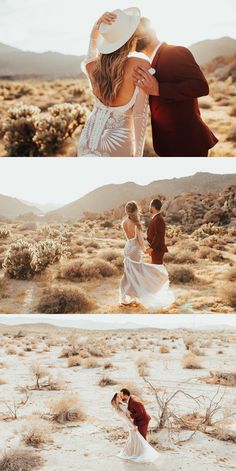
<point>74,361</point>
<point>223,434</point>
<point>88,270</point>
<point>36,433</point>
<point>185,257</point>
<point>189,341</point>
<point>10,350</point>
<point>221,378</point>
<point>181,274</point>
<point>63,300</point>
<point>231,275</point>
<point>191,361</point>
<point>108,366</point>
<point>164,349</point>
<point>90,363</point>
<point>67,409</point>
<point>228,294</point>
<point>143,366</point>
<point>105,381</point>
<point>20,460</point>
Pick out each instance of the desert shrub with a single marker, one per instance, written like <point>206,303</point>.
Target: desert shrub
<point>28,132</point>
<point>4,233</point>
<point>189,341</point>
<point>107,224</point>
<point>231,136</point>
<point>19,131</point>
<point>87,270</point>
<point>46,253</point>
<point>58,124</point>
<point>108,365</point>
<point>231,275</point>
<point>17,262</point>
<point>191,361</point>
<point>228,294</point>
<point>184,257</point>
<point>181,274</point>
<point>164,349</point>
<point>20,460</point>
<point>67,409</point>
<point>64,300</point>
<point>36,433</point>
<point>105,381</point>
<point>90,363</point>
<point>74,361</point>
<point>24,259</point>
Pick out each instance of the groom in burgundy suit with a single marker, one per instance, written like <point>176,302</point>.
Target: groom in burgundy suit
<point>177,127</point>
<point>156,234</point>
<point>137,411</point>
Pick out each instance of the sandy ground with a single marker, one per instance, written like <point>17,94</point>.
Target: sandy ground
<point>94,444</point>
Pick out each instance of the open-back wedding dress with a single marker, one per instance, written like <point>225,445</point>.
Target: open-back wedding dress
<point>136,448</point>
<point>115,131</point>
<point>146,282</point>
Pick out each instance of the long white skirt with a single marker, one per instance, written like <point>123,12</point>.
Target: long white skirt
<point>138,449</point>
<point>148,283</point>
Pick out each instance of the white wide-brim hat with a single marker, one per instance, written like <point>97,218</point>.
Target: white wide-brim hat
<point>114,36</point>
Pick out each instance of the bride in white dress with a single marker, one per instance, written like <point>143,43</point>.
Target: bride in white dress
<point>148,283</point>
<point>117,125</point>
<point>136,448</point>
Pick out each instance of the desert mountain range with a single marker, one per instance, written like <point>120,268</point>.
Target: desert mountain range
<point>15,63</point>
<point>109,197</point>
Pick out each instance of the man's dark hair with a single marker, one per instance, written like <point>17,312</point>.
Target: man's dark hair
<point>125,391</point>
<point>157,204</point>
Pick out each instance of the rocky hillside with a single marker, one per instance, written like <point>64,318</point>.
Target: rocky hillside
<point>108,197</point>
<point>192,209</point>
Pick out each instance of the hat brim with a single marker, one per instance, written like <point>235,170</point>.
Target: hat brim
<point>105,47</point>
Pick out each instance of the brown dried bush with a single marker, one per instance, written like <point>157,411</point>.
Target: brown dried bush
<point>67,409</point>
<point>63,300</point>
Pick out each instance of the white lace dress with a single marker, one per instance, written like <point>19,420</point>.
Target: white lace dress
<point>145,282</point>
<point>115,131</point>
<point>136,448</point>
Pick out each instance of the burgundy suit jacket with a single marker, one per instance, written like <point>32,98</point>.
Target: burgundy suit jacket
<point>156,234</point>
<point>177,127</point>
<point>137,411</point>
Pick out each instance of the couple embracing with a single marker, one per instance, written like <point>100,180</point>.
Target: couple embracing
<point>147,283</point>
<point>128,68</point>
<point>135,418</point>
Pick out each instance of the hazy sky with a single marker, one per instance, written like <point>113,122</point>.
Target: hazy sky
<point>64,25</point>
<point>61,181</point>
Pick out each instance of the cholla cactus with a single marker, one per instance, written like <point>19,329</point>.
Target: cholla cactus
<point>4,233</point>
<point>17,263</point>
<point>29,132</point>
<point>207,230</point>
<point>46,253</point>
<point>19,129</point>
<point>59,123</point>
<point>23,260</point>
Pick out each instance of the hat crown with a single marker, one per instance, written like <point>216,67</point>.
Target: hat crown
<point>111,33</point>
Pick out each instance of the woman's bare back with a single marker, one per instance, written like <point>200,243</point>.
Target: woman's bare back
<point>127,88</point>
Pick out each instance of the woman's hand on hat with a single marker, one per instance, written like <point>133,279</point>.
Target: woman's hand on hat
<point>107,18</point>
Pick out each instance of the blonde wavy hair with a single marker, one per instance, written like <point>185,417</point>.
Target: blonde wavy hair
<point>132,212</point>
<point>108,74</point>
